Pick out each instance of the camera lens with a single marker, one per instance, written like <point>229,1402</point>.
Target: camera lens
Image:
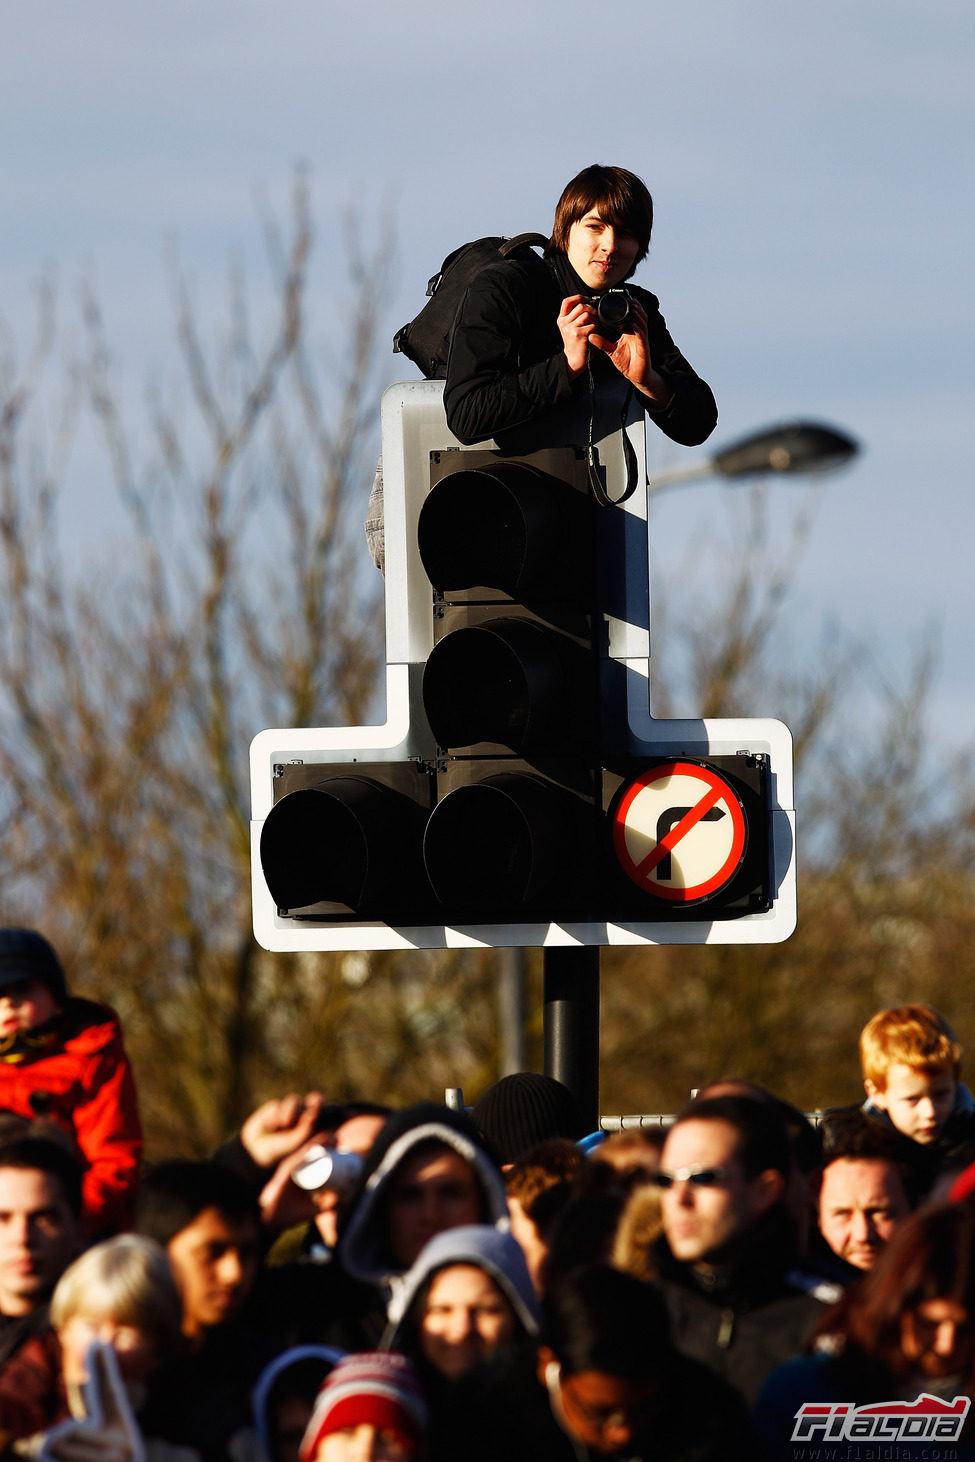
<point>613,308</point>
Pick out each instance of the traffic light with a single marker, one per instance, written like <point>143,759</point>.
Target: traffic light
<point>519,791</point>
<point>510,688</point>
<point>349,840</point>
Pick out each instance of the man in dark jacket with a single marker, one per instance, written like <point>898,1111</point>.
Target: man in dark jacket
<point>208,1221</point>
<point>728,1259</point>
<point>426,1172</point>
<point>531,363</point>
<point>530,358</point>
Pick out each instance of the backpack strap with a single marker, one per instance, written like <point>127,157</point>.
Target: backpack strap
<point>505,248</point>
<point>521,241</point>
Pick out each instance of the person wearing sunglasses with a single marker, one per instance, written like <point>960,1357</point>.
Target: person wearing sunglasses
<point>728,1259</point>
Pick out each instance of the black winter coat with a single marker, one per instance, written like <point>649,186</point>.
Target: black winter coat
<point>507,376</point>
<point>755,1316</point>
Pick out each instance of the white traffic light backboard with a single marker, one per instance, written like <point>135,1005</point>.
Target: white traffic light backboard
<point>418,451</point>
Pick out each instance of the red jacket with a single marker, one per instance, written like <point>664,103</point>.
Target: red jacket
<point>84,1082</point>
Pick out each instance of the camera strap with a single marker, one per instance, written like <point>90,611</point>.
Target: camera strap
<point>629,456</point>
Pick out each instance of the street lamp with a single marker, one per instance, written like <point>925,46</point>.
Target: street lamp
<point>793,448</point>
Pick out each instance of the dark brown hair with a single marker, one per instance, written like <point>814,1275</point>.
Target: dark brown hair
<point>552,1165</point>
<point>620,197</point>
<point>48,1155</point>
<point>763,1138</point>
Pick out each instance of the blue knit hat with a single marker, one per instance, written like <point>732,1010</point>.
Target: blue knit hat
<point>26,955</point>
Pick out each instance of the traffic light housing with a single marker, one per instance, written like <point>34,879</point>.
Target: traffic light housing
<point>510,687</point>
<point>519,791</point>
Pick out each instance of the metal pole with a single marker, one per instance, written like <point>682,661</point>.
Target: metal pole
<point>571,1024</point>
<point>511,1010</point>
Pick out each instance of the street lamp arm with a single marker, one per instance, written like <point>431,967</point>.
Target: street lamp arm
<point>793,448</point>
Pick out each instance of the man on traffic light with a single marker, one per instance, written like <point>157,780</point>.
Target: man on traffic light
<point>535,358</point>
<point>533,346</point>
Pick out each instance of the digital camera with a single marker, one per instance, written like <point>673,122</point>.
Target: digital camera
<point>328,1167</point>
<point>612,312</point>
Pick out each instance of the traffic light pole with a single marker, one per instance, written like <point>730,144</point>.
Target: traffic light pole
<point>571,1024</point>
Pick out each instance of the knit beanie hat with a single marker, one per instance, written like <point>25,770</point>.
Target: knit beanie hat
<point>372,1388</point>
<point>524,1109</point>
<point>26,955</point>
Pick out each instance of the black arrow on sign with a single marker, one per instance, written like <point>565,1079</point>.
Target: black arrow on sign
<point>668,820</point>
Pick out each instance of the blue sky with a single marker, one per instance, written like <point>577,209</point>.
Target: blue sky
<point>811,168</point>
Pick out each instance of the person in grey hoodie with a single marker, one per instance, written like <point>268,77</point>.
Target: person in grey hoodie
<point>467,1295</point>
<point>426,1172</point>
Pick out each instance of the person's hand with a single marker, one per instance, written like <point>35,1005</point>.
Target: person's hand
<point>281,1126</point>
<point>630,355</point>
<point>283,1203</point>
<point>576,322</point>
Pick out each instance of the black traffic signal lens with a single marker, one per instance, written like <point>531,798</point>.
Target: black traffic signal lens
<point>502,844</point>
<point>348,841</point>
<point>507,527</point>
<point>511,681</point>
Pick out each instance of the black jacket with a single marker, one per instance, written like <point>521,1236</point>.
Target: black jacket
<point>507,376</point>
<point>751,1316</point>
<point>202,1399</point>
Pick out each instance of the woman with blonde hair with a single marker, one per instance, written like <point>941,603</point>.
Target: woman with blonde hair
<point>120,1294</point>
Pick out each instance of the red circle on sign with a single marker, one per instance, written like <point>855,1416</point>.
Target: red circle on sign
<point>715,789</point>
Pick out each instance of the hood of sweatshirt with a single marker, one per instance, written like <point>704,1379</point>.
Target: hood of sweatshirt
<point>328,1355</point>
<point>364,1248</point>
<point>498,1254</point>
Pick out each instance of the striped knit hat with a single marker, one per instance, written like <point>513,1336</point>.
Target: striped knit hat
<point>372,1388</point>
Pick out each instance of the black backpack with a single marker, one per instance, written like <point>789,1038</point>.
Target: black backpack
<point>426,340</point>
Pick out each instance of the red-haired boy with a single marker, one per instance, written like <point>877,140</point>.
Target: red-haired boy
<point>911,1062</point>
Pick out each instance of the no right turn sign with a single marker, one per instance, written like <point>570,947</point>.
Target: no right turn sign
<point>679,831</point>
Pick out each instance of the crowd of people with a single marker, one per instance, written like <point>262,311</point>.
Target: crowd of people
<point>341,1281</point>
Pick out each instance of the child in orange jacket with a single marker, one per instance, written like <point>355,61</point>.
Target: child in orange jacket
<point>62,1059</point>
